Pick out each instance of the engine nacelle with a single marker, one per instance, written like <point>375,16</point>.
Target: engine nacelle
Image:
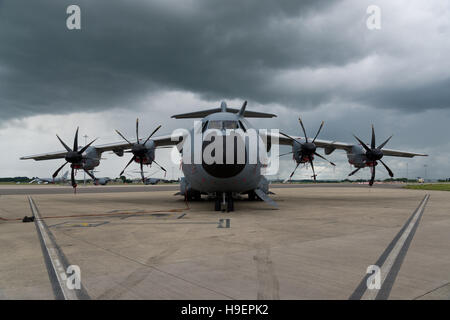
<point>150,154</point>
<point>357,156</point>
<point>91,158</point>
<point>296,151</point>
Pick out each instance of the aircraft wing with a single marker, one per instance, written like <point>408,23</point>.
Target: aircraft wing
<point>46,156</point>
<point>330,146</point>
<point>160,142</point>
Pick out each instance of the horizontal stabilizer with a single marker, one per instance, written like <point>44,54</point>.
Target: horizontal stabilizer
<point>204,113</point>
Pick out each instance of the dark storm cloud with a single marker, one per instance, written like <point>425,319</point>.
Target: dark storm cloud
<point>126,49</point>
<point>432,95</point>
<point>218,49</point>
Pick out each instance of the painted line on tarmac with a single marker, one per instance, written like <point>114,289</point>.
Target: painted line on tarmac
<point>55,260</point>
<point>392,258</point>
<point>140,188</point>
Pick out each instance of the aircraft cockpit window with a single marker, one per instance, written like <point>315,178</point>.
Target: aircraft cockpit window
<point>223,125</point>
<point>214,124</point>
<point>229,124</point>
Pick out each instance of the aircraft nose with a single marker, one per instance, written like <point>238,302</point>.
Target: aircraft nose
<point>224,169</point>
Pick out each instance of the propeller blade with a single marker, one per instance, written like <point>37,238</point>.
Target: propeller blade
<point>123,137</point>
<point>303,127</point>
<point>90,174</point>
<point>137,130</point>
<point>391,174</point>
<point>293,172</point>
<point>132,159</point>
<point>152,134</point>
<point>384,143</point>
<point>362,143</point>
<point>354,171</point>
<point>142,170</point>
<point>86,146</point>
<point>320,156</point>
<point>285,153</point>
<point>65,145</point>
<point>312,167</point>
<point>59,169</point>
<point>72,178</point>
<point>290,137</point>
<point>372,178</point>
<point>318,131</point>
<point>165,171</point>
<point>75,141</point>
<point>372,143</point>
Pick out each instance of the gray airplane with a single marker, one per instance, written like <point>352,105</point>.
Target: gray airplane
<point>231,173</point>
<point>102,181</point>
<point>61,179</point>
<point>151,181</point>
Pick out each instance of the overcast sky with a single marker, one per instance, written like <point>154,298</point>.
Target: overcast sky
<point>152,59</point>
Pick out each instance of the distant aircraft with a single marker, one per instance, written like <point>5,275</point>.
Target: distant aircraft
<point>101,181</point>
<point>61,179</point>
<point>151,181</point>
<point>223,179</point>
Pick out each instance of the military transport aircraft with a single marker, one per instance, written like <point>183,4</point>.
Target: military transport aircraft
<point>62,179</point>
<point>231,172</point>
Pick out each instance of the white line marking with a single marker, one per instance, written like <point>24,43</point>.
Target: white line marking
<point>53,254</point>
<point>389,262</point>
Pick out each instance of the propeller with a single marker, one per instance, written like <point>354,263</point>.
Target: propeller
<point>74,157</point>
<point>139,150</point>
<point>308,149</point>
<point>373,154</point>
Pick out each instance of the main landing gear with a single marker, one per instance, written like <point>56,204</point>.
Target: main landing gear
<point>224,202</point>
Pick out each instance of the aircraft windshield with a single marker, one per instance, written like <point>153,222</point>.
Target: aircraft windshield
<point>215,125</point>
<point>230,125</point>
<point>223,125</point>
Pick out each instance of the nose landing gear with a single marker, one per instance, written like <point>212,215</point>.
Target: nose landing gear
<point>224,202</point>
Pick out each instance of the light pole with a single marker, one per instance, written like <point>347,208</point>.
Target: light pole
<point>425,166</point>
<point>84,172</point>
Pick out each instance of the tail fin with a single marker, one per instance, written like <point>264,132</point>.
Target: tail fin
<point>242,111</point>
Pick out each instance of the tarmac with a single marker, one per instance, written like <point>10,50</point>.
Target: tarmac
<point>142,242</point>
